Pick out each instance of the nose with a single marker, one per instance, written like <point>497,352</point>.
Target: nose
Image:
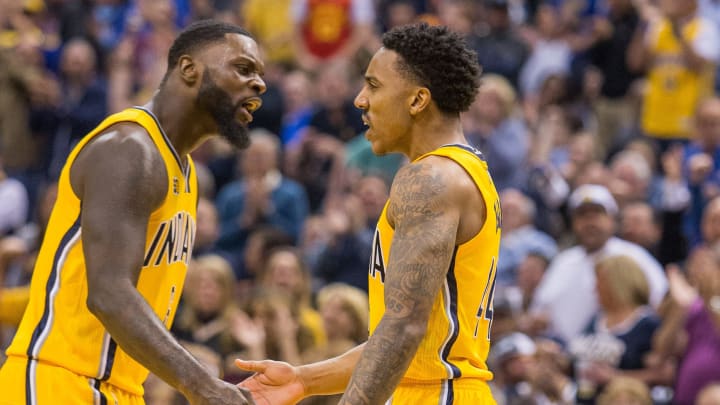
<point>361,101</point>
<point>258,84</point>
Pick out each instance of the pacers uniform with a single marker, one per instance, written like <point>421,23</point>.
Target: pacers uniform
<point>449,366</point>
<point>61,353</point>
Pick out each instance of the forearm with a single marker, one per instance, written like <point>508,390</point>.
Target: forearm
<point>330,376</point>
<point>140,333</point>
<point>379,370</point>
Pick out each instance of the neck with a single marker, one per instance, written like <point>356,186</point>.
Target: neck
<point>430,133</point>
<point>178,119</point>
<point>616,316</point>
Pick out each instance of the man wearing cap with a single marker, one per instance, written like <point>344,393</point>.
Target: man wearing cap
<point>566,295</point>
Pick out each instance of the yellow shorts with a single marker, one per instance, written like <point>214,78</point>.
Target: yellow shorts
<point>56,385</point>
<point>464,391</point>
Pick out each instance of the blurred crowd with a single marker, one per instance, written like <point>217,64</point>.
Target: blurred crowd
<point>599,121</point>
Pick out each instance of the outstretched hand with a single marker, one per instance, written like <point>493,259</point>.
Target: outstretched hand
<point>274,382</point>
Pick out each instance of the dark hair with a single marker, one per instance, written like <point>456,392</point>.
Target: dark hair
<point>197,35</point>
<point>439,59</point>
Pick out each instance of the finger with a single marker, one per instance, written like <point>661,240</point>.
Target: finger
<point>254,366</point>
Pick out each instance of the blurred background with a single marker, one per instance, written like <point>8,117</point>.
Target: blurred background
<point>599,120</point>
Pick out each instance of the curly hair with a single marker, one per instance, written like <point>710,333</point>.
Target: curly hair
<point>438,59</point>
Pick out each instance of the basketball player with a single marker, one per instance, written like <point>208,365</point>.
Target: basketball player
<point>111,268</point>
<point>433,268</point>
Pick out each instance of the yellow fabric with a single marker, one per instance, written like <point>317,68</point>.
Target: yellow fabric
<point>59,329</point>
<point>269,21</point>
<point>312,320</point>
<point>673,90</point>
<point>457,342</point>
<point>57,385</point>
<point>465,391</point>
<point>12,304</point>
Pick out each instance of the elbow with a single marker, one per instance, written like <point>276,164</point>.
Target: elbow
<point>101,303</point>
<point>414,331</point>
<point>96,305</point>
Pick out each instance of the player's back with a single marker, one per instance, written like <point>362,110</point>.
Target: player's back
<point>57,327</point>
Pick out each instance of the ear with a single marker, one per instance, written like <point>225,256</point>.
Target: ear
<point>420,100</point>
<point>189,70</point>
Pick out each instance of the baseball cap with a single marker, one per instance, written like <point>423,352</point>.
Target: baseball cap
<point>593,194</point>
<point>514,344</point>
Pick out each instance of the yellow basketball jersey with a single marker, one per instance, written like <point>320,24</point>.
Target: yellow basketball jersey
<point>57,327</point>
<point>674,90</point>
<point>457,341</point>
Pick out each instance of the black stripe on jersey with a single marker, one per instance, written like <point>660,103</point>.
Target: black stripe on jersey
<point>452,287</point>
<point>103,399</point>
<point>470,149</point>
<point>110,356</point>
<point>187,178</point>
<point>450,397</point>
<point>164,136</point>
<point>40,328</point>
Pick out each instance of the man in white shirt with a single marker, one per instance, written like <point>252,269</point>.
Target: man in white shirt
<point>566,296</point>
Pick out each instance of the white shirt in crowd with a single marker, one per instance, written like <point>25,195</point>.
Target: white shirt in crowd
<point>567,291</point>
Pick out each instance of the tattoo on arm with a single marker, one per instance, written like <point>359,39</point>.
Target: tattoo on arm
<point>425,230</point>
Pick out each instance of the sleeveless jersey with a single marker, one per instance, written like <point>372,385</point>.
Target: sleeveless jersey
<point>457,340</point>
<point>674,90</point>
<point>57,327</point>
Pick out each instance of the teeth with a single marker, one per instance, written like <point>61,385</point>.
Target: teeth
<point>251,105</point>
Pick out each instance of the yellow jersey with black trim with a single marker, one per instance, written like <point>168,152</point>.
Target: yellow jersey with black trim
<point>57,327</point>
<point>673,89</point>
<point>457,340</point>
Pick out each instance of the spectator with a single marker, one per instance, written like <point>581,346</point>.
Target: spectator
<point>627,391</point>
<point>261,196</point>
<point>209,311</point>
<point>566,294</point>
<point>500,49</point>
<point>680,52</point>
<point>550,51</point>
<point>285,272</point>
<point>84,101</point>
<point>689,329</point>
<point>701,165</point>
<point>640,224</point>
<point>344,257</point>
<point>328,29</point>
<point>619,336</point>
<point>15,206</point>
<point>610,38</point>
<point>269,21</point>
<point>493,128</point>
<point>520,237</point>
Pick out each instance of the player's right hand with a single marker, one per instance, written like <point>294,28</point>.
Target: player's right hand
<point>274,382</point>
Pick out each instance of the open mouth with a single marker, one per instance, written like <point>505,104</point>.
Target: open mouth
<point>247,108</point>
<point>365,120</point>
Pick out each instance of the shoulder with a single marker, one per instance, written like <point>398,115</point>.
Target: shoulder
<point>125,155</point>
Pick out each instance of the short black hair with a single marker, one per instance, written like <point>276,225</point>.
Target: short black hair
<point>438,59</point>
<point>197,35</point>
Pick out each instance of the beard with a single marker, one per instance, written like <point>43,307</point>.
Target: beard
<point>219,104</point>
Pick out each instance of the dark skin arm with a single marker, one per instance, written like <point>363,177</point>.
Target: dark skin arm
<point>121,179</point>
<point>425,207</point>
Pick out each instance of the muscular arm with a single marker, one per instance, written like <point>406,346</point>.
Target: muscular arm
<point>121,179</point>
<point>425,212</point>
